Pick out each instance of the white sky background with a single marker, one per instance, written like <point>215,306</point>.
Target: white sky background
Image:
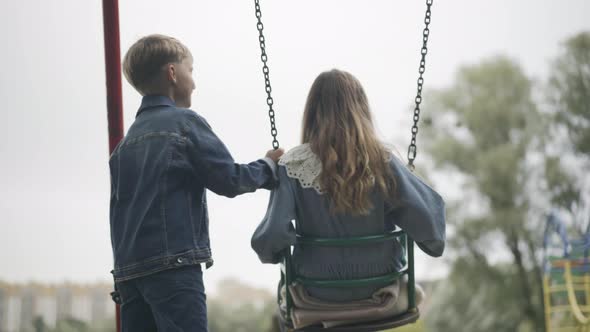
<point>54,183</point>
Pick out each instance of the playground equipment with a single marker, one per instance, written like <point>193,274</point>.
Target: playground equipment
<point>566,279</point>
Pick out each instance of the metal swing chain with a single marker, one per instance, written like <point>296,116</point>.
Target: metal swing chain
<point>266,72</point>
<point>412,150</point>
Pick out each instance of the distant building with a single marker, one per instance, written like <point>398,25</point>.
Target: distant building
<point>81,304</point>
<point>64,301</point>
<point>3,308</point>
<point>101,309</point>
<point>27,308</point>
<point>22,304</point>
<point>46,306</point>
<point>10,308</point>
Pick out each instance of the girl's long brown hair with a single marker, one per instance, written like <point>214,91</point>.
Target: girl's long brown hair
<point>337,125</point>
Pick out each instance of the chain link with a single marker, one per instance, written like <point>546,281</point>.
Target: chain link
<point>412,149</point>
<point>266,72</point>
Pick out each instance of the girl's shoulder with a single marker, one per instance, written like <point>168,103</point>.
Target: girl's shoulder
<point>302,164</point>
<point>297,154</point>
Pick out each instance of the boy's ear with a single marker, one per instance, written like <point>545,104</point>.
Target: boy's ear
<point>171,73</point>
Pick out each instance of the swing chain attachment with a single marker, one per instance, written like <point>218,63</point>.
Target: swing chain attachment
<point>266,72</point>
<point>412,149</point>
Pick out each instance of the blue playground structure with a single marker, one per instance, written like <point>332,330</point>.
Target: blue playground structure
<point>566,279</point>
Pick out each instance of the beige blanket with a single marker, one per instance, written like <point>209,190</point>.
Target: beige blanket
<point>385,302</point>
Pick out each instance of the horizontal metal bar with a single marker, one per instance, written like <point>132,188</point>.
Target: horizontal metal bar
<point>350,241</point>
<point>384,279</point>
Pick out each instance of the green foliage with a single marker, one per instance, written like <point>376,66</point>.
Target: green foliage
<point>570,90</point>
<point>476,298</point>
<point>39,324</point>
<point>484,126</point>
<point>569,96</point>
<point>74,325</point>
<point>108,325</point>
<point>244,317</point>
<point>564,192</point>
<point>71,325</point>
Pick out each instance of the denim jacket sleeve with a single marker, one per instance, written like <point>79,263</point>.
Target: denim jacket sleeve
<point>418,210</point>
<point>216,167</point>
<point>276,231</point>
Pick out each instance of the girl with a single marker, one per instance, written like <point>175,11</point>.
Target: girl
<point>342,182</point>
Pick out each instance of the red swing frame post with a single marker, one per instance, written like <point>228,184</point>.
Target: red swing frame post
<point>112,54</point>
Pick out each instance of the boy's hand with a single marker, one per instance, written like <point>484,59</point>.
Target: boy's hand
<point>275,154</point>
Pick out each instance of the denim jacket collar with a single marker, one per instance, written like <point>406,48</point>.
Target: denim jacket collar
<point>152,101</point>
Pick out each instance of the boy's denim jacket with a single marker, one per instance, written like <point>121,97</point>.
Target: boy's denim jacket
<point>159,173</point>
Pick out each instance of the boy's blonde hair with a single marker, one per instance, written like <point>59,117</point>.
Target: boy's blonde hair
<point>147,56</point>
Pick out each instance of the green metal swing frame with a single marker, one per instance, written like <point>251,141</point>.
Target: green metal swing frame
<point>289,277</point>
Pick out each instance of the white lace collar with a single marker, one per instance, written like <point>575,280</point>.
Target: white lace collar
<point>304,165</point>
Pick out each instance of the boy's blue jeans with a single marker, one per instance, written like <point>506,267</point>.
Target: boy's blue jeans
<point>168,301</point>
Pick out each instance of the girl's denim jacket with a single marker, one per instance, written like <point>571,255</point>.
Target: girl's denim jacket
<point>159,173</point>
<point>416,208</point>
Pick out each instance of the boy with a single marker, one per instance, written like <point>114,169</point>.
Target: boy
<point>158,211</point>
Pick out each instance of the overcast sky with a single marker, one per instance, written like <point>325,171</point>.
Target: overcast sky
<point>54,183</point>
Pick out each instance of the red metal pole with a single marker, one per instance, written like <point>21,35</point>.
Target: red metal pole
<point>112,55</point>
<point>112,52</point>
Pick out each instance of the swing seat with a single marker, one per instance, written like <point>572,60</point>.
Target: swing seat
<point>288,277</point>
<point>408,317</point>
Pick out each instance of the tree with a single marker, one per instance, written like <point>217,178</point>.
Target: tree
<point>238,307</point>
<point>242,317</point>
<point>39,324</point>
<point>570,87</point>
<point>484,128</point>
<point>569,99</point>
<point>70,325</point>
